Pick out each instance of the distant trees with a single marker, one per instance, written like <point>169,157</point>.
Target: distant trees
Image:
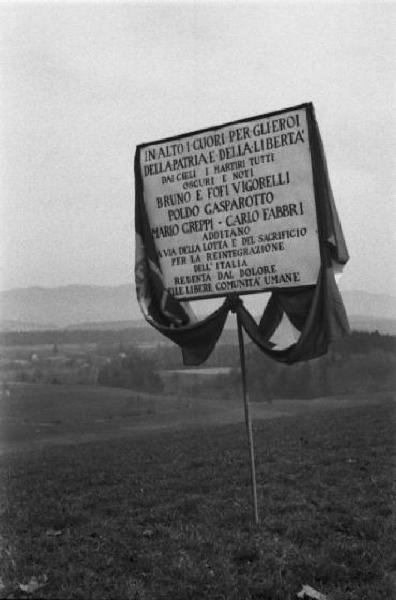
<point>134,335</point>
<point>361,362</point>
<point>135,371</point>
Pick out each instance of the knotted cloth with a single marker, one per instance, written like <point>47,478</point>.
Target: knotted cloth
<point>317,312</point>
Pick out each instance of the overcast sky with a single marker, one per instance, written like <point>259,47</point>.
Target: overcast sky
<point>82,85</point>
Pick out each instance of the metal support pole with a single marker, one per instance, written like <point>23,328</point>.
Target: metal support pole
<point>248,419</point>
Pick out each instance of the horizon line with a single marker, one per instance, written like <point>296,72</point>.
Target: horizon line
<point>131,283</point>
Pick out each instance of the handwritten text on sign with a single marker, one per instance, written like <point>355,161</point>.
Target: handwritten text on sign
<point>233,209</point>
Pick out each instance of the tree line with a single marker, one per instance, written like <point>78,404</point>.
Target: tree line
<point>360,362</point>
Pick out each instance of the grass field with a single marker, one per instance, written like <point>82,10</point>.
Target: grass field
<point>168,514</point>
<point>36,415</point>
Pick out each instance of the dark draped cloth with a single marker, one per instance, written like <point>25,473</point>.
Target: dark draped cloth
<point>317,312</point>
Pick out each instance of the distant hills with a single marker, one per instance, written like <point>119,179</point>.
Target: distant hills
<point>105,307</point>
<point>68,305</point>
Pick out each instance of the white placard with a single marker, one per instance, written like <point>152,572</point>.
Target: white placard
<point>232,209</point>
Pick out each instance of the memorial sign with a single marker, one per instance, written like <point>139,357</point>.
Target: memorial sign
<point>232,209</point>
<point>240,208</point>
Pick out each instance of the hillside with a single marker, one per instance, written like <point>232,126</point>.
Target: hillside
<point>87,306</point>
<point>69,305</point>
